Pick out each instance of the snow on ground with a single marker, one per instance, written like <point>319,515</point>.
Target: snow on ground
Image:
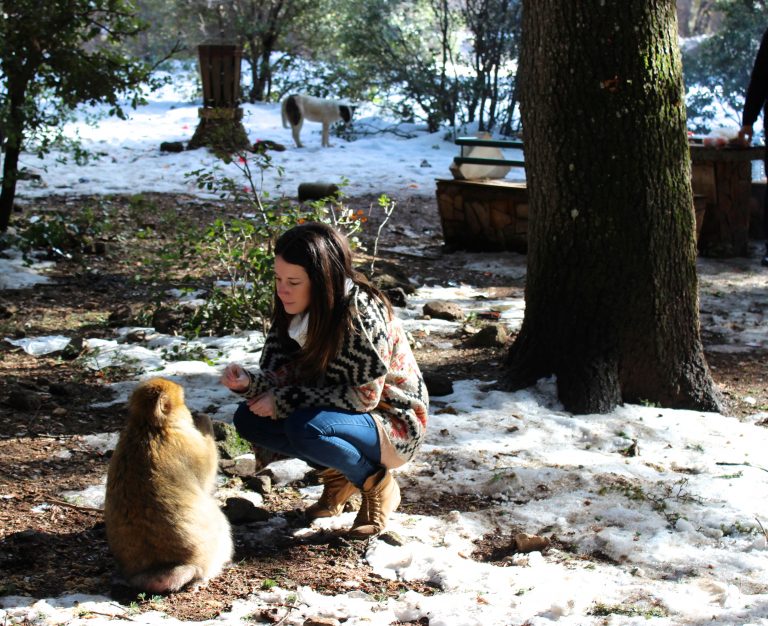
<point>675,532</point>
<point>128,157</point>
<point>673,535</point>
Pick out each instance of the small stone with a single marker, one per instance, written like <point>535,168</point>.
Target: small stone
<point>245,468</point>
<point>437,384</point>
<point>242,511</point>
<point>392,538</point>
<point>490,336</point>
<point>229,443</point>
<point>321,621</point>
<point>262,483</point>
<point>397,296</point>
<point>136,336</point>
<point>443,310</point>
<point>393,279</point>
<point>530,543</point>
<point>172,146</point>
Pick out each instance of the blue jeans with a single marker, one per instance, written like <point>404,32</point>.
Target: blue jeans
<point>345,441</point>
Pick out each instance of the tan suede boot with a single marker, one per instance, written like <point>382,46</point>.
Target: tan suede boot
<point>336,491</point>
<point>381,496</point>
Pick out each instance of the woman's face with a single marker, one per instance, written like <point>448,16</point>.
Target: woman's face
<point>293,286</point>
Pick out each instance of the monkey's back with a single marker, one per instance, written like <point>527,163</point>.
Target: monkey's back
<point>159,509</point>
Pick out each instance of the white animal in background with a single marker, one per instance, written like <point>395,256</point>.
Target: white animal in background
<point>298,107</point>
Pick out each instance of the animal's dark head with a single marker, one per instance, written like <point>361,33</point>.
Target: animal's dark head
<point>346,111</point>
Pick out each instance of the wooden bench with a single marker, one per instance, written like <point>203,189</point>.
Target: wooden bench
<point>484,214</point>
<point>488,143</point>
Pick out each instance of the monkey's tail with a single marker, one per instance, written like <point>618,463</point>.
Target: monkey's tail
<point>166,580</point>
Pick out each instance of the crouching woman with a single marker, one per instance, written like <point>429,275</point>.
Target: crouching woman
<point>338,385</point>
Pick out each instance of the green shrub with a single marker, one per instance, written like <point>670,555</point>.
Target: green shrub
<point>242,248</point>
<point>60,235</point>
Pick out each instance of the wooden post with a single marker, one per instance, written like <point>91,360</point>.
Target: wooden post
<point>723,176</point>
<point>220,126</point>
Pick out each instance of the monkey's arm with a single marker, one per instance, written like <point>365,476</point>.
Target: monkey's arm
<point>203,424</point>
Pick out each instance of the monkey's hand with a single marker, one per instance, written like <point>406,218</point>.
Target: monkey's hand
<point>263,405</point>
<point>235,378</point>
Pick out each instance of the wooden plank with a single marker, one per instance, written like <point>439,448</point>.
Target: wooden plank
<point>707,153</point>
<point>483,161</point>
<point>492,143</point>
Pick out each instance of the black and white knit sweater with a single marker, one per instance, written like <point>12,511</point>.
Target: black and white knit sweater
<point>375,372</point>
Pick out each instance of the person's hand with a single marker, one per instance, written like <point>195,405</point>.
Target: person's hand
<point>235,378</point>
<point>745,136</point>
<point>263,405</point>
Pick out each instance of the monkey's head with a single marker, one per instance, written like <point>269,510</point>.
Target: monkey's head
<point>157,401</point>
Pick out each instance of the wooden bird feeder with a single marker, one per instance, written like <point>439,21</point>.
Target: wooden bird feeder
<point>220,126</point>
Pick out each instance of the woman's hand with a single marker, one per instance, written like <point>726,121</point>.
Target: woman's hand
<point>235,378</point>
<point>263,405</point>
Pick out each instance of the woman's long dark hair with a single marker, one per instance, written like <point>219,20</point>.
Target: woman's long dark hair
<point>325,255</point>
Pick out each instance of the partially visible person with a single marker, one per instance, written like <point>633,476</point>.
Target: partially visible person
<point>757,100</point>
<point>338,385</point>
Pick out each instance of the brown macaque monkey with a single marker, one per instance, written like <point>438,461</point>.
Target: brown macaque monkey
<point>164,526</point>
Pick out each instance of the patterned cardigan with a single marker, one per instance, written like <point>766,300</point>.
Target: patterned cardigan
<point>375,372</point>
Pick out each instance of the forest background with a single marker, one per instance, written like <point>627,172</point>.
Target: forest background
<point>451,64</point>
<point>447,63</point>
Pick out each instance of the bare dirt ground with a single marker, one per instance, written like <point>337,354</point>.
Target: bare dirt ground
<point>50,547</point>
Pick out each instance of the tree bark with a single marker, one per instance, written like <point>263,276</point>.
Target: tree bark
<point>17,88</point>
<point>611,293</point>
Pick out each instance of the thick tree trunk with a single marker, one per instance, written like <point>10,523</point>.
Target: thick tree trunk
<point>256,93</point>
<point>261,77</point>
<point>611,295</point>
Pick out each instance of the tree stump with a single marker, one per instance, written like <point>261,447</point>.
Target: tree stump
<point>220,127</point>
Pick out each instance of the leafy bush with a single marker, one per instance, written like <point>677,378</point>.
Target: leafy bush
<point>244,296</point>
<point>60,235</point>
